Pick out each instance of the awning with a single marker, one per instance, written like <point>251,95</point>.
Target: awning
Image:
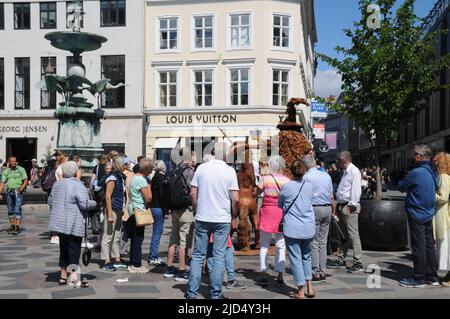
<point>166,142</point>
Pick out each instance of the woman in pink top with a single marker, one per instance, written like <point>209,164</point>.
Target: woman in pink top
<point>270,217</point>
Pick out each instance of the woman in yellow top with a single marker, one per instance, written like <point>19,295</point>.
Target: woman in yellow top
<point>441,222</point>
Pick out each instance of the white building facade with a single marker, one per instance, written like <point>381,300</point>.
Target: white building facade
<point>216,68</point>
<point>27,126</point>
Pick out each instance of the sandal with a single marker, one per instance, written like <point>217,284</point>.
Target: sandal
<point>62,281</point>
<point>310,295</point>
<point>85,284</point>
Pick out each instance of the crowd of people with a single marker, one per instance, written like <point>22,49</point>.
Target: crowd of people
<point>203,201</point>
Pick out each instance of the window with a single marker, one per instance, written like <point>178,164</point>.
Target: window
<point>118,147</point>
<point>240,31</point>
<point>239,86</point>
<point>281,31</point>
<point>22,83</point>
<point>48,15</point>
<point>168,33</point>
<point>203,32</point>
<point>280,87</point>
<point>2,16</point>
<point>203,86</point>
<point>2,84</point>
<point>168,88</point>
<point>68,3</point>
<point>48,99</point>
<point>113,68</point>
<point>112,13</point>
<point>22,15</point>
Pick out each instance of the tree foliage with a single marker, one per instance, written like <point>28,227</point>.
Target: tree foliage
<point>388,73</point>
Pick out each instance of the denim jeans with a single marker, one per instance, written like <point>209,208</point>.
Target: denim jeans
<point>299,251</point>
<point>229,262</point>
<point>136,234</point>
<point>423,252</point>
<point>14,201</point>
<point>158,227</point>
<point>203,231</point>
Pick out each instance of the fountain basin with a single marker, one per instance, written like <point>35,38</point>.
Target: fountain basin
<point>75,42</point>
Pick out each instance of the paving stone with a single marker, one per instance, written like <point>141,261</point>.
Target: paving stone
<point>35,256</point>
<point>13,267</point>
<point>13,296</point>
<point>13,248</point>
<point>128,289</point>
<point>73,293</point>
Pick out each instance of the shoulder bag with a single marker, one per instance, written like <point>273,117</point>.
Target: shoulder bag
<point>143,218</point>
<point>280,227</point>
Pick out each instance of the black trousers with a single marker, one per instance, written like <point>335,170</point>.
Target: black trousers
<point>70,250</point>
<point>423,251</point>
<point>136,234</point>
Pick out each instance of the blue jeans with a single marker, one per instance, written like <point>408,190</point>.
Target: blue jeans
<point>229,262</point>
<point>158,227</point>
<point>136,234</point>
<point>299,251</point>
<point>14,201</point>
<point>203,231</point>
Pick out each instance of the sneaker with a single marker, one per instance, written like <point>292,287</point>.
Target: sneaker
<point>357,267</point>
<point>120,265</point>
<point>54,240</point>
<point>86,244</point>
<point>182,276</point>
<point>318,279</point>
<point>339,263</point>
<point>109,267</point>
<point>16,231</point>
<point>156,262</point>
<point>411,283</point>
<point>170,272</point>
<point>236,285</point>
<point>138,270</point>
<point>434,283</point>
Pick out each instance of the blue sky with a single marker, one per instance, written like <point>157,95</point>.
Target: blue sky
<point>332,16</point>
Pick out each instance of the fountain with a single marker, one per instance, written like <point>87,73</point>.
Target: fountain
<point>79,124</point>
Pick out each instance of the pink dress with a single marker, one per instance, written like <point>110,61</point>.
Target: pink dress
<point>269,214</point>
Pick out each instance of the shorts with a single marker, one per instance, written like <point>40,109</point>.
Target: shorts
<point>182,220</point>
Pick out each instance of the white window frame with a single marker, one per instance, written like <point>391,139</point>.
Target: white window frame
<point>192,86</point>
<point>157,30</point>
<point>249,67</point>
<point>291,28</point>
<point>250,45</point>
<point>157,84</point>
<point>214,33</point>
<point>290,84</point>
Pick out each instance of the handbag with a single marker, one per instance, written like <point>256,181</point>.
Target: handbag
<point>280,227</point>
<point>143,218</point>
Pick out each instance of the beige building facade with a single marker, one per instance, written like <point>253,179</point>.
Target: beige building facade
<point>216,68</point>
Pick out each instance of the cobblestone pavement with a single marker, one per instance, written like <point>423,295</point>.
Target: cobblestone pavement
<point>29,269</point>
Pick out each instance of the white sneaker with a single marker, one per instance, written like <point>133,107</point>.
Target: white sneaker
<point>138,270</point>
<point>86,244</point>
<point>54,240</point>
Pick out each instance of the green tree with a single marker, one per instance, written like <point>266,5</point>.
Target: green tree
<point>389,72</point>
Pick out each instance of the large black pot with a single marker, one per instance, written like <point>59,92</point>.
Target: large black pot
<point>383,225</point>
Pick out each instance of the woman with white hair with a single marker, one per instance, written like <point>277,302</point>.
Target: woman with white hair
<point>158,213</point>
<point>270,217</point>
<point>115,204</point>
<point>69,201</point>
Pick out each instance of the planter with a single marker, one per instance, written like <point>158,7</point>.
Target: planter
<point>383,225</point>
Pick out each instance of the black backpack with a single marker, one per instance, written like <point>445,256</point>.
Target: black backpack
<point>48,179</point>
<point>176,189</point>
<point>99,196</point>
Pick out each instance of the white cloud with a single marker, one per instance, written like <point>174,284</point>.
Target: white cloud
<point>327,83</point>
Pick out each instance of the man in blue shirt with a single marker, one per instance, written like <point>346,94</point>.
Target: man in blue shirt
<point>324,206</point>
<point>420,185</point>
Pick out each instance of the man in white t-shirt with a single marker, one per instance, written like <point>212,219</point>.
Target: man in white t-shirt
<point>215,198</point>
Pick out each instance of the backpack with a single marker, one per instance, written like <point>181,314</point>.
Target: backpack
<point>100,192</point>
<point>48,179</point>
<point>176,190</point>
